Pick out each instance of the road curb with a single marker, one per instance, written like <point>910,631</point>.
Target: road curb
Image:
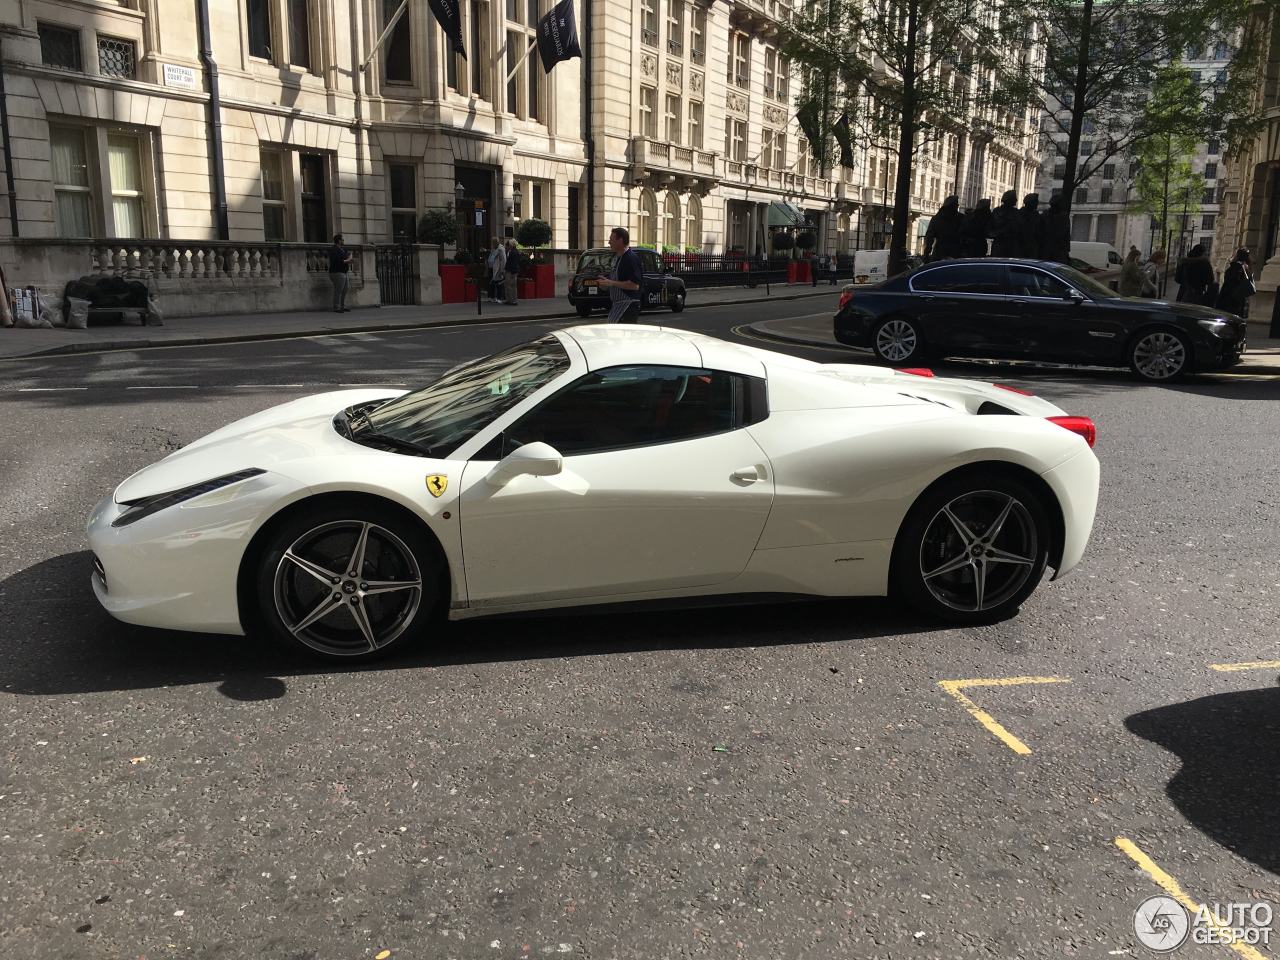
<point>206,340</point>
<point>759,329</point>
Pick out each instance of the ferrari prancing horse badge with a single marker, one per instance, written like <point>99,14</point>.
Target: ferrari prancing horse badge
<point>436,483</point>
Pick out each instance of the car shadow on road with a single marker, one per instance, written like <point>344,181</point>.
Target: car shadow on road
<point>1229,783</point>
<point>60,641</point>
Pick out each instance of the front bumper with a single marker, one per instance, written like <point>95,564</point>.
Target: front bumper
<point>1215,353</point>
<point>178,568</point>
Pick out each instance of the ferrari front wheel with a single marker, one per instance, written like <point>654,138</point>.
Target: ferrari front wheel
<point>348,583</point>
<point>972,549</point>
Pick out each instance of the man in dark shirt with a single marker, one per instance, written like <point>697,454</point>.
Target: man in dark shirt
<point>626,280</point>
<point>339,265</point>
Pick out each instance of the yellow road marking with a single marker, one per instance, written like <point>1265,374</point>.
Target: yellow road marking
<point>954,688</point>
<point>1170,886</point>
<point>1251,665</point>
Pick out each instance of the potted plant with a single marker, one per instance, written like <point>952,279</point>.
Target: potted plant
<point>440,227</point>
<point>537,233</point>
<point>805,242</point>
<point>783,241</point>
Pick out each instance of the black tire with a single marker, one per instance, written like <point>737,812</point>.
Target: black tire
<point>1159,354</point>
<point>397,552</point>
<point>583,310</point>
<point>677,303</point>
<point>897,342</point>
<point>936,570</point>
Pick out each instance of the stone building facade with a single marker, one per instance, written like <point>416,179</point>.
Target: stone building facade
<point>679,124</point>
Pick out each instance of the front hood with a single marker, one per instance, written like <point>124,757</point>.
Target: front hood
<point>270,440</point>
<point>1193,311</point>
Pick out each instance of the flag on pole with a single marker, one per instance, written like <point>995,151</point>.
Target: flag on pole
<point>843,137</point>
<point>450,19</point>
<point>808,117</point>
<point>558,36</point>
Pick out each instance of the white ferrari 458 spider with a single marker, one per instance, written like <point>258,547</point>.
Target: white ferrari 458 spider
<point>600,464</point>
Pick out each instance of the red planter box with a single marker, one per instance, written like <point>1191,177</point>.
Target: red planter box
<point>454,283</point>
<point>528,289</point>
<point>793,267</point>
<point>804,271</point>
<point>544,279</point>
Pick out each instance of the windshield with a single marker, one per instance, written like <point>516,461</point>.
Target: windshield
<point>440,418</point>
<point>1086,284</point>
<point>598,261</point>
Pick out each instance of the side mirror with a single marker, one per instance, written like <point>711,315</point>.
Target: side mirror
<point>533,459</point>
<point>1073,296</point>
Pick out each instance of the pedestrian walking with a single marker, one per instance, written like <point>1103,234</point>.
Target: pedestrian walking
<point>1237,284</point>
<point>1030,228</point>
<point>1004,226</point>
<point>625,281</point>
<point>1151,274</point>
<point>339,273</point>
<point>942,239</point>
<point>1195,278</point>
<point>512,267</point>
<point>1057,231</point>
<point>1131,278</point>
<point>975,230</point>
<point>496,266</point>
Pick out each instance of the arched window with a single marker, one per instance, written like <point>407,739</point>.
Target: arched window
<point>671,222</point>
<point>648,226</point>
<point>693,222</point>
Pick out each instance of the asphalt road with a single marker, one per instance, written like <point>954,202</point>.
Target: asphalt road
<point>778,781</point>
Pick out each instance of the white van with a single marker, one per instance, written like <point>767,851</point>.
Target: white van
<point>1100,256</point>
<point>870,266</point>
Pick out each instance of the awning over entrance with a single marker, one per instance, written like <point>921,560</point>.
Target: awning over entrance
<point>783,214</point>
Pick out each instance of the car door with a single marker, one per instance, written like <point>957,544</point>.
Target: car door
<point>961,307</point>
<point>655,281</point>
<point>661,488</point>
<point>1056,325</point>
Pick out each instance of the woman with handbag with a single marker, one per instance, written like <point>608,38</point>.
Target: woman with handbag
<point>1237,284</point>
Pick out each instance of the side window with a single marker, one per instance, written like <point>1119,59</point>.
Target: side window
<point>1114,258</point>
<point>1025,282</point>
<point>961,278</point>
<point>649,262</point>
<point>634,406</point>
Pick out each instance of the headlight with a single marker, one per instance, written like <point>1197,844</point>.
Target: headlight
<point>1218,326</point>
<point>137,509</point>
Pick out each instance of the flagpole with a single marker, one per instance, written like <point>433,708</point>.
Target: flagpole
<point>520,63</point>
<point>391,25</point>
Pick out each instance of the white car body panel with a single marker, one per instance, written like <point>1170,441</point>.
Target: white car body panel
<point>809,500</point>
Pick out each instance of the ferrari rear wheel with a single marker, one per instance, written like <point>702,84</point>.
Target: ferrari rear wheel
<point>972,549</point>
<point>897,341</point>
<point>348,583</point>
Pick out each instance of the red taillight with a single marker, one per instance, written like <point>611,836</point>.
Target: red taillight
<point>1004,386</point>
<point>1082,426</point>
<point>917,371</point>
<point>845,298</point>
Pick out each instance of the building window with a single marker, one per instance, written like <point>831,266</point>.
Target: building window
<point>534,199</point>
<point>693,221</point>
<point>533,83</point>
<point>698,35</point>
<point>739,59</point>
<point>513,57</point>
<point>117,58</point>
<point>479,47</point>
<point>315,219</point>
<point>675,27</point>
<point>1210,196</point>
<point>648,231</point>
<point>671,222</point>
<point>1086,148</point>
<point>735,139</point>
<point>1213,148</point>
<point>124,161</point>
<point>402,184</point>
<point>1207,221</point>
<point>695,124</point>
<point>523,90</point>
<point>72,183</point>
<point>59,47</point>
<point>779,151</point>
<point>770,70</point>
<point>766,147</point>
<point>300,34</point>
<point>1105,195</point>
<point>1082,195</point>
<point>1207,243</point>
<point>1211,171</point>
<point>1106,228</point>
<point>1059,171</point>
<point>274,205</point>
<point>1080,227</point>
<point>397,50</point>
<point>784,76</point>
<point>673,117</point>
<point>649,112</point>
<point>1108,171</point>
<point>258,15</point>
<point>649,22</point>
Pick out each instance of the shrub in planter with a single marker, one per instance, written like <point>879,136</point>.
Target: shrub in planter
<point>807,240</point>
<point>439,227</point>
<point>464,257</point>
<point>533,233</point>
<point>783,241</point>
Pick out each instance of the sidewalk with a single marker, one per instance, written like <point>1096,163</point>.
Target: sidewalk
<point>1262,356</point>
<point>193,331</point>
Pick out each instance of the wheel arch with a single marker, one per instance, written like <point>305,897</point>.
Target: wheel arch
<point>1033,481</point>
<point>247,608</point>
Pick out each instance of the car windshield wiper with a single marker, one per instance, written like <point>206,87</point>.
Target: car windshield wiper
<point>369,436</point>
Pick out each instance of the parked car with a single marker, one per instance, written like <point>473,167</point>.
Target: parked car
<point>661,289</point>
<point>1033,310</point>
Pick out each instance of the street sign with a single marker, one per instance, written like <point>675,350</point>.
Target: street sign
<point>181,77</point>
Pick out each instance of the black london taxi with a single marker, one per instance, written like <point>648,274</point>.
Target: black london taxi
<point>661,289</point>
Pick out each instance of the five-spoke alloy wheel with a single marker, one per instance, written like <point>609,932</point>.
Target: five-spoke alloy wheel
<point>348,582</point>
<point>972,549</point>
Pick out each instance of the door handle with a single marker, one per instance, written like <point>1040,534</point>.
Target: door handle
<point>747,475</point>
<point>1017,303</point>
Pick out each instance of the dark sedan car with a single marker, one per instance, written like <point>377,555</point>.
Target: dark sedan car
<point>1033,310</point>
<point>660,288</point>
